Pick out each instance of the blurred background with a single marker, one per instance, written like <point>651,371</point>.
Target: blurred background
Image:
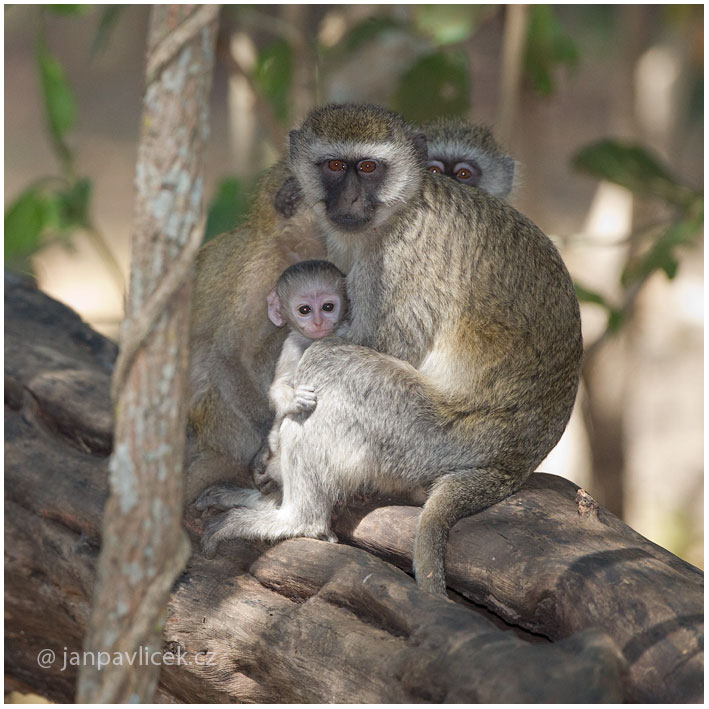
<point>601,105</point>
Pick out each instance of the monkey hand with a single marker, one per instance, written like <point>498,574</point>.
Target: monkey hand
<point>288,198</point>
<point>305,399</point>
<point>259,462</point>
<point>265,483</point>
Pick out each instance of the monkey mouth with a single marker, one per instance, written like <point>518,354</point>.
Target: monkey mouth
<point>350,222</point>
<point>319,334</point>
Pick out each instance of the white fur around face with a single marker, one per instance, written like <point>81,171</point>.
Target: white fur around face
<point>402,164</point>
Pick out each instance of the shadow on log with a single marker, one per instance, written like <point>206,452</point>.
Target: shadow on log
<point>580,608</point>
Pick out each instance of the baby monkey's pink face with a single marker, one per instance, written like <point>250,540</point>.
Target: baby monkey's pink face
<point>316,314</point>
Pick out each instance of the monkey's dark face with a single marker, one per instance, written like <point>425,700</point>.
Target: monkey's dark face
<point>351,188</point>
<point>466,172</point>
<point>358,166</point>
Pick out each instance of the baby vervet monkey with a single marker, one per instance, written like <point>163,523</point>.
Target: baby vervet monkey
<point>310,298</point>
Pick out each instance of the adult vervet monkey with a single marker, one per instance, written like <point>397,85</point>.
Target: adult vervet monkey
<point>460,366</point>
<point>234,346</point>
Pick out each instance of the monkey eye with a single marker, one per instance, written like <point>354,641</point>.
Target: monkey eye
<point>328,307</point>
<point>467,173</point>
<point>436,167</point>
<point>367,166</point>
<point>336,165</point>
<point>304,309</point>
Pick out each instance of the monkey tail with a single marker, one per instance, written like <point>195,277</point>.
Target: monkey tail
<point>452,497</point>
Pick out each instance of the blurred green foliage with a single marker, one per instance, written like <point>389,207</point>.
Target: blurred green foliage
<point>228,208</point>
<point>436,82</point>
<point>548,46</point>
<point>55,206</point>
<point>448,24</point>
<point>368,31</point>
<point>635,168</point>
<point>443,78</point>
<point>274,75</point>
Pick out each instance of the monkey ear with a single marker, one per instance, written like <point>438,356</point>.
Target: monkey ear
<point>293,135</point>
<point>274,309</point>
<point>509,167</point>
<point>421,145</point>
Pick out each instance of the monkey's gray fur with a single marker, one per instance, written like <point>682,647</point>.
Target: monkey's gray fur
<point>460,366</point>
<point>453,140</point>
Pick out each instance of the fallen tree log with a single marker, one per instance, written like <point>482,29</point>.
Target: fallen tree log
<point>307,621</point>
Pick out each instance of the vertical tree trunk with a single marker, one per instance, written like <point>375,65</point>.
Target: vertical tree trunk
<point>144,547</point>
<point>302,95</point>
<point>514,44</point>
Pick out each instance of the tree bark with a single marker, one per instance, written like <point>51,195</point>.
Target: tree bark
<point>144,547</point>
<point>608,615</point>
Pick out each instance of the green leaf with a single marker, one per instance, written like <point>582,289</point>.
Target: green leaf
<point>228,209</point>
<point>632,166</point>
<point>368,31</point>
<point>548,45</point>
<point>68,9</point>
<point>616,318</point>
<point>448,24</point>
<point>106,25</point>
<point>26,219</point>
<point>74,205</point>
<point>436,85</point>
<point>662,254</point>
<point>274,73</point>
<point>59,102</point>
<point>585,295</point>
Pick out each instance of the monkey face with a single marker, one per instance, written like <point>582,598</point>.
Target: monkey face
<point>351,188</point>
<point>360,181</point>
<point>316,315</point>
<point>465,172</point>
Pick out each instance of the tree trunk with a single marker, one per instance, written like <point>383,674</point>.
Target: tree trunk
<point>557,600</point>
<point>144,547</point>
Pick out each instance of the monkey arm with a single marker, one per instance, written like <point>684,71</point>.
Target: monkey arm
<point>283,397</point>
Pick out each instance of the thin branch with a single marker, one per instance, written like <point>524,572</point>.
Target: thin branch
<point>172,43</point>
<point>136,330</point>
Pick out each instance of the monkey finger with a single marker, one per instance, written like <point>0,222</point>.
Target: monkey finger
<point>265,484</point>
<point>305,399</point>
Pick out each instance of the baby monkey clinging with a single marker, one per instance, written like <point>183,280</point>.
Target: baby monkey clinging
<point>310,298</point>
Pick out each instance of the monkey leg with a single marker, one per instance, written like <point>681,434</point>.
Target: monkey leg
<point>267,525</point>
<point>452,497</point>
<point>225,498</point>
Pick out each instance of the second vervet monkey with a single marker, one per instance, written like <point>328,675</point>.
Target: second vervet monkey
<point>310,298</point>
<point>469,154</point>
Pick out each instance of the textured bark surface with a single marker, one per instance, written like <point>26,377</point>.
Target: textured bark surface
<point>144,547</point>
<point>613,616</point>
